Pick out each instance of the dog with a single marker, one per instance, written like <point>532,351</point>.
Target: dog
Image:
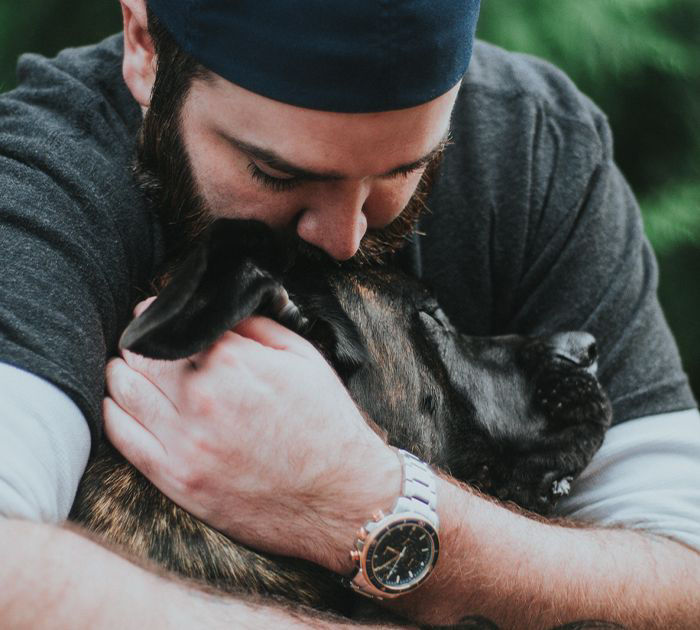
<point>515,417</point>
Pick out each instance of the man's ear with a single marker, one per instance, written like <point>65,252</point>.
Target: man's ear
<point>235,272</point>
<point>139,64</point>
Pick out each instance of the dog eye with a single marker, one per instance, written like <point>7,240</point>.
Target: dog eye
<point>428,404</point>
<point>439,316</point>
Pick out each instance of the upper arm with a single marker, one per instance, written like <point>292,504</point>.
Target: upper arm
<point>44,446</point>
<point>75,237</point>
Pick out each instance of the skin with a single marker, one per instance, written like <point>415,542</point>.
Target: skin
<point>306,463</point>
<point>352,158</point>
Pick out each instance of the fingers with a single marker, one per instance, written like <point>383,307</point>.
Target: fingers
<point>166,375</point>
<point>273,335</point>
<point>140,397</point>
<point>132,439</point>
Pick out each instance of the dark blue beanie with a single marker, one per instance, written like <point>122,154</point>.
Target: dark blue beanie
<point>332,55</point>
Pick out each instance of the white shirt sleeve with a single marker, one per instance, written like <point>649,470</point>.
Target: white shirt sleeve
<point>645,476</point>
<point>44,447</point>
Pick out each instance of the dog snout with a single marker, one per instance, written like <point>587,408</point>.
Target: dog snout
<point>577,347</point>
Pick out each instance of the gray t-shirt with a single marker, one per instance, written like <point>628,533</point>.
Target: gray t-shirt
<point>532,229</point>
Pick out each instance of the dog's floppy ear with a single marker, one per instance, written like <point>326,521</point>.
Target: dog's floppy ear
<point>234,272</point>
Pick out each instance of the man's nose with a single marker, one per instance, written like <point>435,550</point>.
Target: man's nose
<point>335,221</point>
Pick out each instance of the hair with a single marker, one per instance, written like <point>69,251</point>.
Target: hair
<point>161,166</point>
<point>164,173</point>
<point>175,67</point>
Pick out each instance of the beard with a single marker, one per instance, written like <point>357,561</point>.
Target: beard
<point>164,174</point>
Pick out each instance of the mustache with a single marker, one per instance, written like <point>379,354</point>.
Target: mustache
<point>379,244</point>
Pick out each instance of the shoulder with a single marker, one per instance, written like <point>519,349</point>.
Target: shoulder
<point>526,147</point>
<point>513,80</point>
<point>76,236</point>
<point>513,105</point>
<point>67,138</point>
<point>521,129</point>
<point>79,92</point>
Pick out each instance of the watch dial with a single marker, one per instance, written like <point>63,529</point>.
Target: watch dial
<point>402,555</point>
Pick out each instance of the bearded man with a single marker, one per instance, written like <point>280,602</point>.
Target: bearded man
<point>327,120</point>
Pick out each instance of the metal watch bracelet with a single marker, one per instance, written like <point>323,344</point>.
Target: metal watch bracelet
<point>418,500</point>
<point>419,489</point>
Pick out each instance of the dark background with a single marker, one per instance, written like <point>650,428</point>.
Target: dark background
<point>638,59</point>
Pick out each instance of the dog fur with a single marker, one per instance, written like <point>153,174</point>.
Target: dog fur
<point>516,417</point>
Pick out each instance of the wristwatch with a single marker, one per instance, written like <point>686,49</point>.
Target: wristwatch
<point>395,553</point>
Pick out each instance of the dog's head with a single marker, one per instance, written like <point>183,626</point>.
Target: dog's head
<point>516,416</point>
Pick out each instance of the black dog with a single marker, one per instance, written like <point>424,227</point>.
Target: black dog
<point>516,417</point>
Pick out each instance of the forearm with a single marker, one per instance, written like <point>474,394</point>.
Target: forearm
<point>524,573</point>
<point>55,578</point>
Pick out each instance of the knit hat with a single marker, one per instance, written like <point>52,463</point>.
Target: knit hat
<point>332,55</point>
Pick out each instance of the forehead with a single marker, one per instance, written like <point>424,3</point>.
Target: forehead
<point>365,143</point>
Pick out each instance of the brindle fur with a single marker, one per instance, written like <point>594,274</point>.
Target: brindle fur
<point>508,415</point>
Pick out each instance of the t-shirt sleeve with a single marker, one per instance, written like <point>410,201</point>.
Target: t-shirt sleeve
<point>588,266</point>
<point>534,230</point>
<point>646,476</point>
<point>74,238</point>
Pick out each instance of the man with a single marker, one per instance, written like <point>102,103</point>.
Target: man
<point>290,116</point>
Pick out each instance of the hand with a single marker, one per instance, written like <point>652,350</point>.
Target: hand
<point>256,436</point>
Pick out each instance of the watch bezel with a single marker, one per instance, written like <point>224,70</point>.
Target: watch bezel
<point>378,532</point>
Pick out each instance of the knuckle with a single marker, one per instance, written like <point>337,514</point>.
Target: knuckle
<point>112,368</point>
<point>133,360</point>
<point>186,480</point>
<point>200,400</point>
<point>225,350</point>
<point>122,385</point>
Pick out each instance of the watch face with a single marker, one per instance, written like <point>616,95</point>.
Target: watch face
<point>400,557</point>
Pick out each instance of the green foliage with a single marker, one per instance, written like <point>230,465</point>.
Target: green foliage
<point>47,26</point>
<point>672,215</point>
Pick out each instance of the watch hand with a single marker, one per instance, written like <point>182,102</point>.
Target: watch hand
<point>388,575</point>
<point>394,558</point>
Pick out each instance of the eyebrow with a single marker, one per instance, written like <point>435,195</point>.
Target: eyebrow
<point>273,160</point>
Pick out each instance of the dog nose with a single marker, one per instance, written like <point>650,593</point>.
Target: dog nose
<point>577,347</point>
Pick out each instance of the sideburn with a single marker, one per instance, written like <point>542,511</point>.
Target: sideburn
<point>161,166</point>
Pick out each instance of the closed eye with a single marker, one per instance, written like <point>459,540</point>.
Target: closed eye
<point>404,172</point>
<point>428,405</point>
<point>439,316</point>
<point>284,181</point>
<point>278,184</point>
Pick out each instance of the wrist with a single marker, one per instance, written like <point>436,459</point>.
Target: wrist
<point>373,484</point>
<point>396,552</point>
